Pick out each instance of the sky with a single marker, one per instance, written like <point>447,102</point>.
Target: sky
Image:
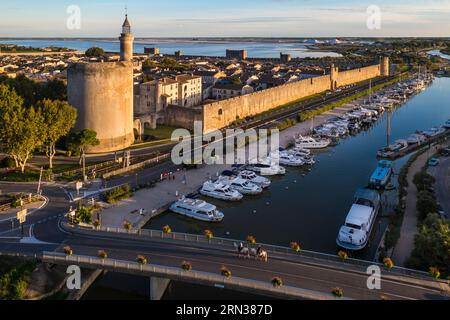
<point>230,18</point>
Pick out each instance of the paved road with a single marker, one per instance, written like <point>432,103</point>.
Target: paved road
<point>442,186</point>
<point>295,270</point>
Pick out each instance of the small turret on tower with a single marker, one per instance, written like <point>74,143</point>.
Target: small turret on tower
<point>126,41</point>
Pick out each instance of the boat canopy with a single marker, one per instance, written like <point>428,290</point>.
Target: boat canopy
<point>380,174</point>
<point>367,194</point>
<point>359,215</point>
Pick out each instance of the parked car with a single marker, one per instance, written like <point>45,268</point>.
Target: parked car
<point>433,162</point>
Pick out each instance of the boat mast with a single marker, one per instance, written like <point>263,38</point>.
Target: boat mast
<point>388,133</point>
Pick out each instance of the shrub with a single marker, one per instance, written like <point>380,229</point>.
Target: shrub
<point>8,162</point>
<point>127,225</point>
<point>208,234</point>
<point>277,282</point>
<point>102,254</point>
<point>251,239</point>
<point>343,255</point>
<point>423,181</point>
<point>435,273</point>
<point>117,194</point>
<point>388,263</point>
<point>167,229</point>
<point>186,266</point>
<point>225,272</point>
<point>68,250</point>
<point>338,292</point>
<point>295,246</point>
<point>16,203</point>
<point>15,274</point>
<point>84,214</point>
<point>426,204</point>
<point>141,259</point>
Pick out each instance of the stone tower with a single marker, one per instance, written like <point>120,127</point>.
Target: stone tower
<point>385,66</point>
<point>126,41</point>
<point>102,92</point>
<point>334,74</point>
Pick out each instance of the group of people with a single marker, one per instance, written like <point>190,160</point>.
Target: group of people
<point>171,176</point>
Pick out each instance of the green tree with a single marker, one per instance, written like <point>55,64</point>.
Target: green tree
<point>432,245</point>
<point>95,52</point>
<point>423,181</point>
<point>58,118</point>
<point>54,90</point>
<point>79,141</point>
<point>426,204</point>
<point>21,127</point>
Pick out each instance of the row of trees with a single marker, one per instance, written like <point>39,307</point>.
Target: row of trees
<point>25,128</point>
<point>432,243</point>
<point>32,91</point>
<point>36,116</point>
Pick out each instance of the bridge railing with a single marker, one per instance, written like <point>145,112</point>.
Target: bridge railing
<point>231,244</point>
<point>180,274</point>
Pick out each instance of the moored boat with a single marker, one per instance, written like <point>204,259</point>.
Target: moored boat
<point>267,168</point>
<point>355,233</point>
<point>220,191</point>
<point>241,185</point>
<point>381,175</point>
<point>197,209</point>
<point>311,143</point>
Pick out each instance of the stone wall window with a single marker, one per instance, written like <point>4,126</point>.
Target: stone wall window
<point>220,112</point>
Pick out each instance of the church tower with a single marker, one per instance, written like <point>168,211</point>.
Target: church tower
<point>126,41</point>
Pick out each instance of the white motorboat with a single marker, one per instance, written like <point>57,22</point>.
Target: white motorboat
<point>197,209</point>
<point>447,124</point>
<point>302,152</point>
<point>416,138</point>
<point>311,143</point>
<point>243,186</point>
<point>220,191</point>
<point>355,233</point>
<point>433,132</point>
<point>286,159</point>
<point>267,168</point>
<point>254,178</point>
<point>306,159</point>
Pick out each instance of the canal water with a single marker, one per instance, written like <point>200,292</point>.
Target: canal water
<point>310,207</point>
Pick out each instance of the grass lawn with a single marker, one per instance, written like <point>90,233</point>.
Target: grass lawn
<point>160,133</point>
<point>27,176</point>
